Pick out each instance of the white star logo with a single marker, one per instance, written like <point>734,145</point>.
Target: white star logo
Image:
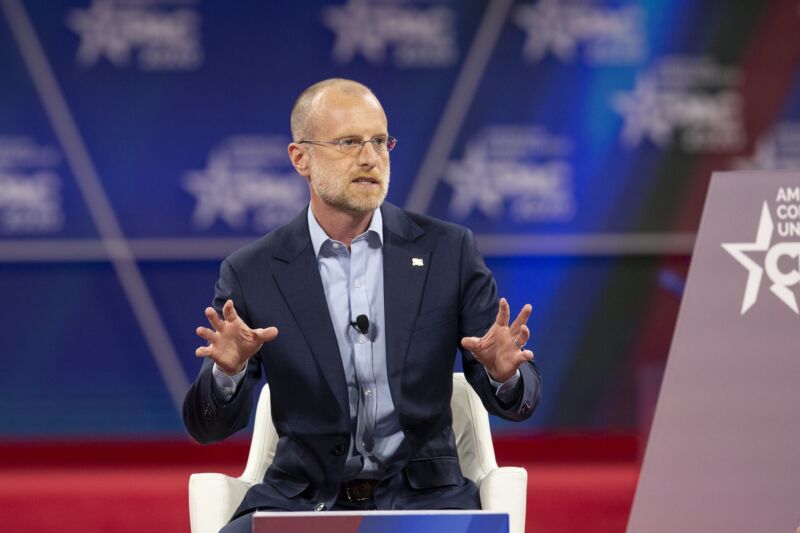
<point>102,34</point>
<point>354,25</point>
<point>472,186</point>
<point>245,182</point>
<point>755,271</point>
<point>781,280</point>
<point>217,197</point>
<point>546,28</point>
<point>643,114</point>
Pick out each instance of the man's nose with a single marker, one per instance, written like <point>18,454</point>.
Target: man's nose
<point>368,156</point>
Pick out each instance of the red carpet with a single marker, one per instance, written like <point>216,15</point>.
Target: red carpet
<point>143,486</point>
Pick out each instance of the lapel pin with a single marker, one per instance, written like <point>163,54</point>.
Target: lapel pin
<point>417,262</point>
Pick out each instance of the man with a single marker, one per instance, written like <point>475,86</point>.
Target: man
<point>355,310</point>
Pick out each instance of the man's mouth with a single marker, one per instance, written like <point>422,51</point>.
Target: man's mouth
<point>366,180</point>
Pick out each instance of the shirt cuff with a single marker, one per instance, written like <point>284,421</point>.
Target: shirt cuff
<point>505,390</point>
<point>227,384</point>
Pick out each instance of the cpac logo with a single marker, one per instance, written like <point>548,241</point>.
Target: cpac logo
<point>609,36</point>
<point>30,198</point>
<point>524,166</point>
<point>244,175</point>
<point>782,259</point>
<point>166,40</point>
<point>690,100</point>
<point>419,38</point>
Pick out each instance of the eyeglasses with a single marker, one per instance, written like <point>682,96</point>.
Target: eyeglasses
<point>351,145</point>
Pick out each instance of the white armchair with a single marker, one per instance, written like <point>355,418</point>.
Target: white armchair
<point>214,497</point>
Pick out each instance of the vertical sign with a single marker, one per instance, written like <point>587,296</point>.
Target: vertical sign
<point>724,451</point>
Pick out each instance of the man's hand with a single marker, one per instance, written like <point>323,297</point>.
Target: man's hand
<point>231,343</point>
<point>501,350</point>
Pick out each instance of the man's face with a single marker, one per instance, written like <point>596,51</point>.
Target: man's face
<point>354,182</point>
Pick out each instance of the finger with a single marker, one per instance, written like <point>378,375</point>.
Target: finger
<point>503,313</point>
<point>266,334</point>
<point>203,351</point>
<point>214,319</point>
<point>528,354</point>
<point>522,317</point>
<point>471,343</point>
<point>206,334</point>
<point>229,312</point>
<point>522,336</point>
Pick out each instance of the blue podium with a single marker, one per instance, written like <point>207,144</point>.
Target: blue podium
<point>382,522</point>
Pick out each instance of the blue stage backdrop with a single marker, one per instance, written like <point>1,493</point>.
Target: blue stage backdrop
<point>143,140</point>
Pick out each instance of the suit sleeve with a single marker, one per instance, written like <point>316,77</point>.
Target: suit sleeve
<point>208,417</point>
<point>477,312</point>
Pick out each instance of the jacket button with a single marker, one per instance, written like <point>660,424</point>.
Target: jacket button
<point>338,450</point>
<point>320,507</point>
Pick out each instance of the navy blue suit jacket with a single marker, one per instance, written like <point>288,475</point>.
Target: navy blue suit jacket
<point>275,281</point>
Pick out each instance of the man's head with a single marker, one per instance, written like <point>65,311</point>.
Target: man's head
<point>354,179</point>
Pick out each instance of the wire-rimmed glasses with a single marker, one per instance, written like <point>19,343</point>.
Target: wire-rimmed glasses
<point>351,145</point>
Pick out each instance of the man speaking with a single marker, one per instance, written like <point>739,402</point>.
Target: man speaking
<point>354,311</point>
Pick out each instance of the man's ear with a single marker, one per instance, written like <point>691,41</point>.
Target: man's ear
<point>298,155</point>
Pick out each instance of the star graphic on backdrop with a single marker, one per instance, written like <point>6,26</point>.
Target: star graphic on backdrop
<point>354,27</point>
<point>101,34</point>
<point>546,28</point>
<point>216,197</point>
<point>471,180</point>
<point>641,112</point>
<point>739,252</point>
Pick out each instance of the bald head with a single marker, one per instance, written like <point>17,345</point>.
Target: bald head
<point>303,111</point>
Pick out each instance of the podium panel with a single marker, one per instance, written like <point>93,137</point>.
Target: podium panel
<point>382,522</point>
<point>724,450</point>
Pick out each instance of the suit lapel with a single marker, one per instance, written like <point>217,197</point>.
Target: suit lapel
<point>405,269</point>
<point>297,275</point>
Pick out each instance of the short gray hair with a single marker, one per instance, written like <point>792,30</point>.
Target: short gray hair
<point>301,112</point>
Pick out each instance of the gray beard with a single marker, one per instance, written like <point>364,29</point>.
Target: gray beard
<point>333,191</point>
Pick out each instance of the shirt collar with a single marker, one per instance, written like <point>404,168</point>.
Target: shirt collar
<point>319,237</point>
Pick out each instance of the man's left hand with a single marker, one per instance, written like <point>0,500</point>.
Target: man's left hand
<point>502,350</point>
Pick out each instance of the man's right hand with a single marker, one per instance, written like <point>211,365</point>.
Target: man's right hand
<point>231,343</point>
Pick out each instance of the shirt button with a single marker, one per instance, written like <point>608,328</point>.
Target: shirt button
<point>357,284</point>
<point>368,393</point>
<point>336,245</point>
<point>362,339</point>
<point>320,507</point>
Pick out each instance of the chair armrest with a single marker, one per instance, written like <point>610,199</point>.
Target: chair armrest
<point>212,500</point>
<point>504,490</point>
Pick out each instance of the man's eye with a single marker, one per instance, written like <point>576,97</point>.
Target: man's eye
<point>379,141</point>
<point>347,142</point>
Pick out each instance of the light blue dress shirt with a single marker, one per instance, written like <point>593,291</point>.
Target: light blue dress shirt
<point>353,284</point>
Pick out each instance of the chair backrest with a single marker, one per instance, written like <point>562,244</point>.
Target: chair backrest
<point>471,428</point>
<point>264,442</point>
<point>470,425</point>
